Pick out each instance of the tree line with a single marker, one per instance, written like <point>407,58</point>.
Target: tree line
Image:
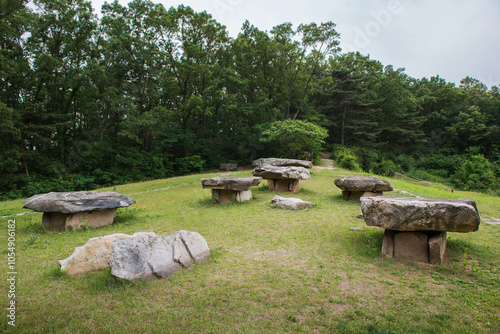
<point>147,92</point>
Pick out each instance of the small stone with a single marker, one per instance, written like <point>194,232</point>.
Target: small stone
<point>290,203</point>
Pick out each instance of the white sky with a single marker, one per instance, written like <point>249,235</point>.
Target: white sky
<point>449,38</point>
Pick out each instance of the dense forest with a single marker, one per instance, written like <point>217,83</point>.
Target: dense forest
<point>146,92</point>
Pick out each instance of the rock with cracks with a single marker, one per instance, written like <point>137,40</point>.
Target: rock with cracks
<point>77,201</point>
<point>149,256</point>
<point>282,173</point>
<point>290,203</point>
<point>281,162</point>
<point>93,255</point>
<point>420,214</point>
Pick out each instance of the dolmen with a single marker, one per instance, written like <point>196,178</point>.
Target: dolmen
<point>144,255</point>
<point>282,179</point>
<point>64,211</point>
<point>226,189</point>
<point>415,228</point>
<point>355,187</point>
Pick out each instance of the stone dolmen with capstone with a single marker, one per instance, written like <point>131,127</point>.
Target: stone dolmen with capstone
<point>415,228</point>
<point>282,179</point>
<point>73,210</point>
<point>226,189</point>
<point>355,187</point>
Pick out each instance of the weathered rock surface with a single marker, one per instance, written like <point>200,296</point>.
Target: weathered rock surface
<point>281,173</point>
<point>420,214</point>
<point>149,256</point>
<point>231,183</point>
<point>78,201</point>
<point>93,255</point>
<point>363,183</point>
<point>281,162</point>
<point>290,203</point>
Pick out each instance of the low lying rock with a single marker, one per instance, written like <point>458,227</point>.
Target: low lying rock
<point>290,203</point>
<point>93,255</point>
<point>149,256</point>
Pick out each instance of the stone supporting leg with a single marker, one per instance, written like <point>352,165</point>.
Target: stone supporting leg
<point>412,246</point>
<point>356,195</point>
<point>56,221</point>
<point>286,185</point>
<point>388,243</point>
<point>437,247</point>
<point>244,195</point>
<point>271,184</point>
<point>222,196</point>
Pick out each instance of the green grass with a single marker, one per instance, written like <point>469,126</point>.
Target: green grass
<point>271,270</point>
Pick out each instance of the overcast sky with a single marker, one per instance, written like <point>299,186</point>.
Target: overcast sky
<point>449,38</point>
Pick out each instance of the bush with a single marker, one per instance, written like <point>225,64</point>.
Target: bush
<point>191,164</point>
<point>346,159</point>
<point>475,173</point>
<point>291,138</point>
<point>385,168</point>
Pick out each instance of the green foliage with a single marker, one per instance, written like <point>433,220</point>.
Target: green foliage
<point>346,159</point>
<point>475,173</point>
<point>291,138</point>
<point>192,164</point>
<point>386,168</point>
<point>146,92</point>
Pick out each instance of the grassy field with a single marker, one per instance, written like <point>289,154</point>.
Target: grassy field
<point>271,270</point>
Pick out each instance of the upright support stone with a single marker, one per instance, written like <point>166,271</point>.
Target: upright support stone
<point>411,246</point>
<point>437,247</point>
<point>388,243</point>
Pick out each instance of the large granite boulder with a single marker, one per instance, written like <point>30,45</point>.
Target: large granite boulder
<point>226,189</point>
<point>149,256</point>
<point>281,162</point>
<point>74,210</point>
<point>420,214</point>
<point>290,203</point>
<point>93,255</point>
<point>355,187</point>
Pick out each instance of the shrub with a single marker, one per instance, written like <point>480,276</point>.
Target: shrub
<point>291,138</point>
<point>475,173</point>
<point>346,159</point>
<point>385,168</point>
<point>191,164</point>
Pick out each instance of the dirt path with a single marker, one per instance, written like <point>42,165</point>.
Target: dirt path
<point>326,163</point>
